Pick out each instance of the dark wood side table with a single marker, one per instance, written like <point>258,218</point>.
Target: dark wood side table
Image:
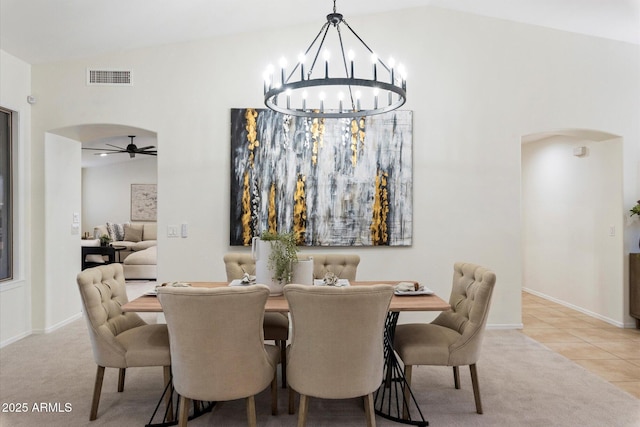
<point>634,287</point>
<point>97,250</point>
<point>118,249</point>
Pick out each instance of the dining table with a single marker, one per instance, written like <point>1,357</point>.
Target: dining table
<point>394,399</point>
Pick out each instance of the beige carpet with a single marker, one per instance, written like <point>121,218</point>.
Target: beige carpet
<point>522,384</point>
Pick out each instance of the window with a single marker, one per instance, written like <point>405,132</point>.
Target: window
<point>6,199</point>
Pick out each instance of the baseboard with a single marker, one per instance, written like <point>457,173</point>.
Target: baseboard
<point>14,339</point>
<point>576,308</point>
<point>503,326</point>
<point>57,325</point>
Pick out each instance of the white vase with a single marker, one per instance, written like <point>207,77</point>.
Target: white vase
<point>303,271</point>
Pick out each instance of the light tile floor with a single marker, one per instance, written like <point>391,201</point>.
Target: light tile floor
<point>606,350</point>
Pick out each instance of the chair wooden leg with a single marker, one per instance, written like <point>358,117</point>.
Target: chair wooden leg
<point>97,389</point>
<point>251,411</point>
<point>274,393</point>
<point>456,376</point>
<point>121,375</point>
<point>476,387</point>
<point>183,415</point>
<point>406,395</point>
<point>168,401</point>
<point>304,407</point>
<point>369,410</point>
<point>283,362</point>
<point>292,401</point>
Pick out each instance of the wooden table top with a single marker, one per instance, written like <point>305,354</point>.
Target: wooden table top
<point>147,303</point>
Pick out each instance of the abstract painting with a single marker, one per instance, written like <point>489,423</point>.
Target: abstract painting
<point>333,182</point>
<point>144,202</point>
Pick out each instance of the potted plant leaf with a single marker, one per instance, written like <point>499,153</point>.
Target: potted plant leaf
<point>277,262</point>
<point>283,254</point>
<point>104,240</point>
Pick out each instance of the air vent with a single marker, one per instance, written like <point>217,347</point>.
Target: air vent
<point>109,77</point>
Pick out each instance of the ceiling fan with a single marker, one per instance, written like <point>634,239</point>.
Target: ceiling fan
<point>131,148</point>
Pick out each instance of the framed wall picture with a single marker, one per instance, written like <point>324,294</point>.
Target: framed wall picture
<point>333,182</point>
<point>144,202</point>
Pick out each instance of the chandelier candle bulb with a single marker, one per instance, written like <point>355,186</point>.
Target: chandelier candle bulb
<point>301,59</point>
<point>375,98</point>
<point>351,57</point>
<point>374,60</point>
<point>392,64</point>
<point>326,64</point>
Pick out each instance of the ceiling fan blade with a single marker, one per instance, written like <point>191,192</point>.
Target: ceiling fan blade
<point>103,150</point>
<point>146,148</point>
<point>108,153</point>
<point>119,148</point>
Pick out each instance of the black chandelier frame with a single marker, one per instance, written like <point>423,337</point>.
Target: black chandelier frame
<point>396,85</point>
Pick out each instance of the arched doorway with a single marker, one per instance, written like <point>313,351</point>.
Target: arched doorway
<point>572,220</point>
<point>64,212</point>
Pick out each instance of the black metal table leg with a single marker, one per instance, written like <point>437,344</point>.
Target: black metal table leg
<point>199,408</point>
<point>394,399</point>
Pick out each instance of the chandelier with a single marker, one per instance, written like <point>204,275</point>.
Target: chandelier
<point>344,90</point>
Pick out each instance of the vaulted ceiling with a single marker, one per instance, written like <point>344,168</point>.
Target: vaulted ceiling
<point>40,31</point>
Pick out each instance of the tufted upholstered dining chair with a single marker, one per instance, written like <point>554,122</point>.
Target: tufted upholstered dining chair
<point>217,346</point>
<point>455,336</point>
<point>336,349</point>
<point>345,266</point>
<point>119,340</point>
<point>276,325</point>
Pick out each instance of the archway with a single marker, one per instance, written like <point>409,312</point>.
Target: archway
<point>572,220</point>
<point>63,215</point>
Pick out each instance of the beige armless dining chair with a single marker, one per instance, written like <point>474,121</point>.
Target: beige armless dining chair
<point>119,340</point>
<point>217,345</point>
<point>276,325</point>
<point>336,349</point>
<point>454,337</point>
<point>345,266</point>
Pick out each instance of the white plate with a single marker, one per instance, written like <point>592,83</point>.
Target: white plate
<point>341,282</point>
<point>425,291</point>
<point>151,293</point>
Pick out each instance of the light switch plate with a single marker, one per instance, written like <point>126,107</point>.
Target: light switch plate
<point>172,231</point>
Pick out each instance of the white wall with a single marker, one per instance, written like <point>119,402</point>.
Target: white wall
<point>62,205</point>
<point>573,224</point>
<point>106,190</point>
<point>15,295</point>
<point>476,85</point>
